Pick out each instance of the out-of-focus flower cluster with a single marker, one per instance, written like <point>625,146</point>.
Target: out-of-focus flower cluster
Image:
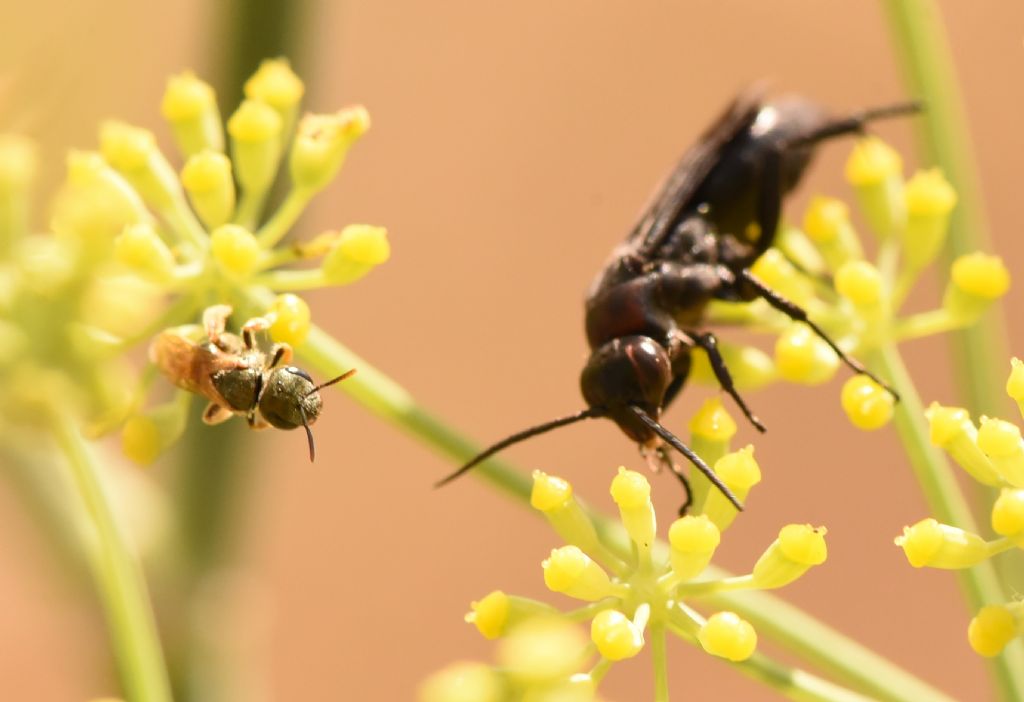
<point>136,244</point>
<point>992,454</point>
<point>821,266</point>
<point>633,597</point>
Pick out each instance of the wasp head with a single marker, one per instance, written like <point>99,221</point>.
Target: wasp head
<point>631,371</point>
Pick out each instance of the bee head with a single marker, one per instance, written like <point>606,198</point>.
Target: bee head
<point>290,399</point>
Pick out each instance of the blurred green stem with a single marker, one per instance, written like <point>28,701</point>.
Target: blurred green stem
<point>117,573</point>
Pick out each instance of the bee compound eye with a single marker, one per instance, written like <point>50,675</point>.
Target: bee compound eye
<point>299,372</point>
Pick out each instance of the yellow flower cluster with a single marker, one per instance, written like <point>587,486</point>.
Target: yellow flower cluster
<point>139,245</point>
<point>821,266</point>
<point>632,598</point>
<point>992,454</point>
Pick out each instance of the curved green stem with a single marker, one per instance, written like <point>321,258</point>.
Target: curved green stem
<point>660,660</point>
<point>284,218</point>
<point>118,575</point>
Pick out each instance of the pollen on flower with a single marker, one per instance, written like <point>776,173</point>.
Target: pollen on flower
<point>490,614</point>
<point>868,405</point>
<point>991,629</point>
<point>739,470</point>
<point>728,636</point>
<point>289,319</point>
<point>921,541</point>
<point>712,422</point>
<point>630,489</point>
<point>616,637</point>
<point>803,543</point>
<point>694,534</point>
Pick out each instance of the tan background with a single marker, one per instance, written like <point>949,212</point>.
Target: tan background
<point>512,145</point>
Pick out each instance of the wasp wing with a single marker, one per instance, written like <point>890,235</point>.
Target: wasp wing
<point>676,194</point>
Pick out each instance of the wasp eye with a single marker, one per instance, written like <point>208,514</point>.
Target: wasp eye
<point>299,372</point>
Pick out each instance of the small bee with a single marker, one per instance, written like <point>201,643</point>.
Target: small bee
<point>237,376</point>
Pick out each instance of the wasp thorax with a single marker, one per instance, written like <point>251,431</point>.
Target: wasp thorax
<point>290,398</point>
<point>239,387</point>
<point>631,370</point>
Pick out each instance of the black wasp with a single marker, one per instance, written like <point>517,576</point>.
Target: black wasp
<point>717,212</point>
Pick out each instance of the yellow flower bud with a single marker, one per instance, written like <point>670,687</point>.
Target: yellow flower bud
<point>275,84</point>
<point>1001,441</point>
<point>868,405</point>
<point>140,248</point>
<point>875,171</point>
<point>132,152</point>
<point>929,543</point>
<point>827,224</point>
<point>321,144</point>
<point>210,187</point>
<point>542,650</point>
<point>976,280</point>
<point>802,356</point>
<point>579,687</point>
<point>490,614</point>
<point>750,367</point>
<point>1008,513</point>
<point>860,283</point>
<point>19,162</point>
<point>952,430</point>
<point>775,271</point>
<point>572,572</point>
<point>798,547</point>
<point>96,203</point>
<point>727,636</point>
<point>929,198</point>
<point>693,540</point>
<point>357,251</point>
<point>255,131</point>
<point>553,497</point>
<point>289,318</point>
<point>632,493</point>
<point>235,250</point>
<point>462,682</point>
<point>497,613</point>
<point>991,630</point>
<point>616,637</point>
<point>1015,383</point>
<point>190,106</point>
<point>712,422</point>
<point>144,437</point>
<point>740,472</point>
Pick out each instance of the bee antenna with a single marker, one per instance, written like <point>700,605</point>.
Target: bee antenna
<point>522,435</point>
<point>309,434</point>
<point>682,448</point>
<point>332,381</point>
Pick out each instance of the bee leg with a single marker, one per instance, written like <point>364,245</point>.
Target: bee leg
<point>215,319</point>
<point>799,314</point>
<point>280,354</point>
<point>256,421</point>
<point>251,328</point>
<point>709,342</point>
<point>215,414</point>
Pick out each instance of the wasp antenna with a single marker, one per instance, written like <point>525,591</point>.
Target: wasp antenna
<point>520,436</point>
<point>309,433</point>
<point>332,381</point>
<point>682,448</point>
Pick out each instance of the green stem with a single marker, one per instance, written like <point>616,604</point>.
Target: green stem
<point>118,575</point>
<point>284,218</point>
<point>250,206</point>
<point>947,504</point>
<point>660,660</point>
<point>920,40</point>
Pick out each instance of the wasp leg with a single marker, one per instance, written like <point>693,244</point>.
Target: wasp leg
<point>280,353</point>
<point>251,328</point>
<point>709,342</point>
<point>215,319</point>
<point>677,471</point>
<point>798,314</point>
<point>215,414</point>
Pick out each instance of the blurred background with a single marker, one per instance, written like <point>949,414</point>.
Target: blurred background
<point>512,146</point>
